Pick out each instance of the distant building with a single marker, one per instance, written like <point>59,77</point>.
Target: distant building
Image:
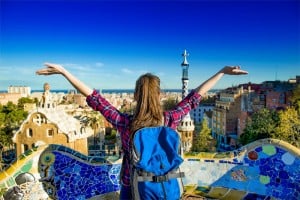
<point>50,125</point>
<point>14,93</point>
<point>229,116</point>
<point>73,97</point>
<point>12,97</point>
<point>275,94</point>
<point>29,107</point>
<point>294,80</point>
<point>236,104</point>
<point>208,117</point>
<point>198,113</point>
<point>25,91</point>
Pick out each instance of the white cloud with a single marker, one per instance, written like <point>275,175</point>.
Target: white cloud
<point>127,71</point>
<point>88,68</point>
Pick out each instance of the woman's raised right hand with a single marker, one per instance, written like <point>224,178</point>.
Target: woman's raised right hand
<point>50,69</point>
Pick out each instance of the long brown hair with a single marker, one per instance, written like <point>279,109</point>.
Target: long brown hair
<point>148,110</point>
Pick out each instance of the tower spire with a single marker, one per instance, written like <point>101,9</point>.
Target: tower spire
<point>186,127</point>
<point>185,77</point>
<point>185,55</point>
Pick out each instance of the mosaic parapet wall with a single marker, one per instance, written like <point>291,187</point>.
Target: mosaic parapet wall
<point>67,174</point>
<point>58,172</point>
<point>265,169</point>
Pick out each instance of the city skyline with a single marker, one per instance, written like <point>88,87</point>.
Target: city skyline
<point>109,44</point>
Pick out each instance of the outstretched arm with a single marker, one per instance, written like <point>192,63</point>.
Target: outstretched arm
<point>209,83</point>
<point>58,69</point>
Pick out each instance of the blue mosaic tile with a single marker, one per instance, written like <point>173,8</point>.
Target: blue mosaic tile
<point>275,173</point>
<point>252,196</point>
<point>269,171</point>
<point>73,178</point>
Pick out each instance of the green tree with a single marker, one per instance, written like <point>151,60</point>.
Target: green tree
<point>208,99</point>
<point>262,124</point>
<point>96,121</point>
<point>11,118</point>
<point>15,117</point>
<point>6,137</point>
<point>111,138</point>
<point>288,128</point>
<point>295,98</point>
<point>203,140</point>
<point>169,103</point>
<point>10,106</point>
<point>24,100</point>
<point>2,119</point>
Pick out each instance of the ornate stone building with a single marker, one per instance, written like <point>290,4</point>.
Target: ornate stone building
<point>49,124</point>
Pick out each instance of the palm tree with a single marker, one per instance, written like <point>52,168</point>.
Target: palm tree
<point>96,122</point>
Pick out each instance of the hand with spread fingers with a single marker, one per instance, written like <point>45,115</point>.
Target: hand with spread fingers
<point>233,70</point>
<point>227,70</point>
<point>51,69</point>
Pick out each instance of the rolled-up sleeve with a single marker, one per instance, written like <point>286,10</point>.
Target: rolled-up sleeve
<point>98,103</point>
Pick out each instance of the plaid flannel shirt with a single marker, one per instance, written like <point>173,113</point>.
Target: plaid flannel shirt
<point>121,121</point>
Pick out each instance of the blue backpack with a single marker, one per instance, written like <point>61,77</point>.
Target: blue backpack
<point>155,161</point>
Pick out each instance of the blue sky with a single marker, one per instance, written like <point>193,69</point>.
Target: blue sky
<point>108,44</point>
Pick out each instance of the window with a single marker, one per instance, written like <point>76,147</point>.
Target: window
<point>24,147</point>
<point>29,132</point>
<point>282,98</point>
<point>50,132</point>
<point>39,119</point>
